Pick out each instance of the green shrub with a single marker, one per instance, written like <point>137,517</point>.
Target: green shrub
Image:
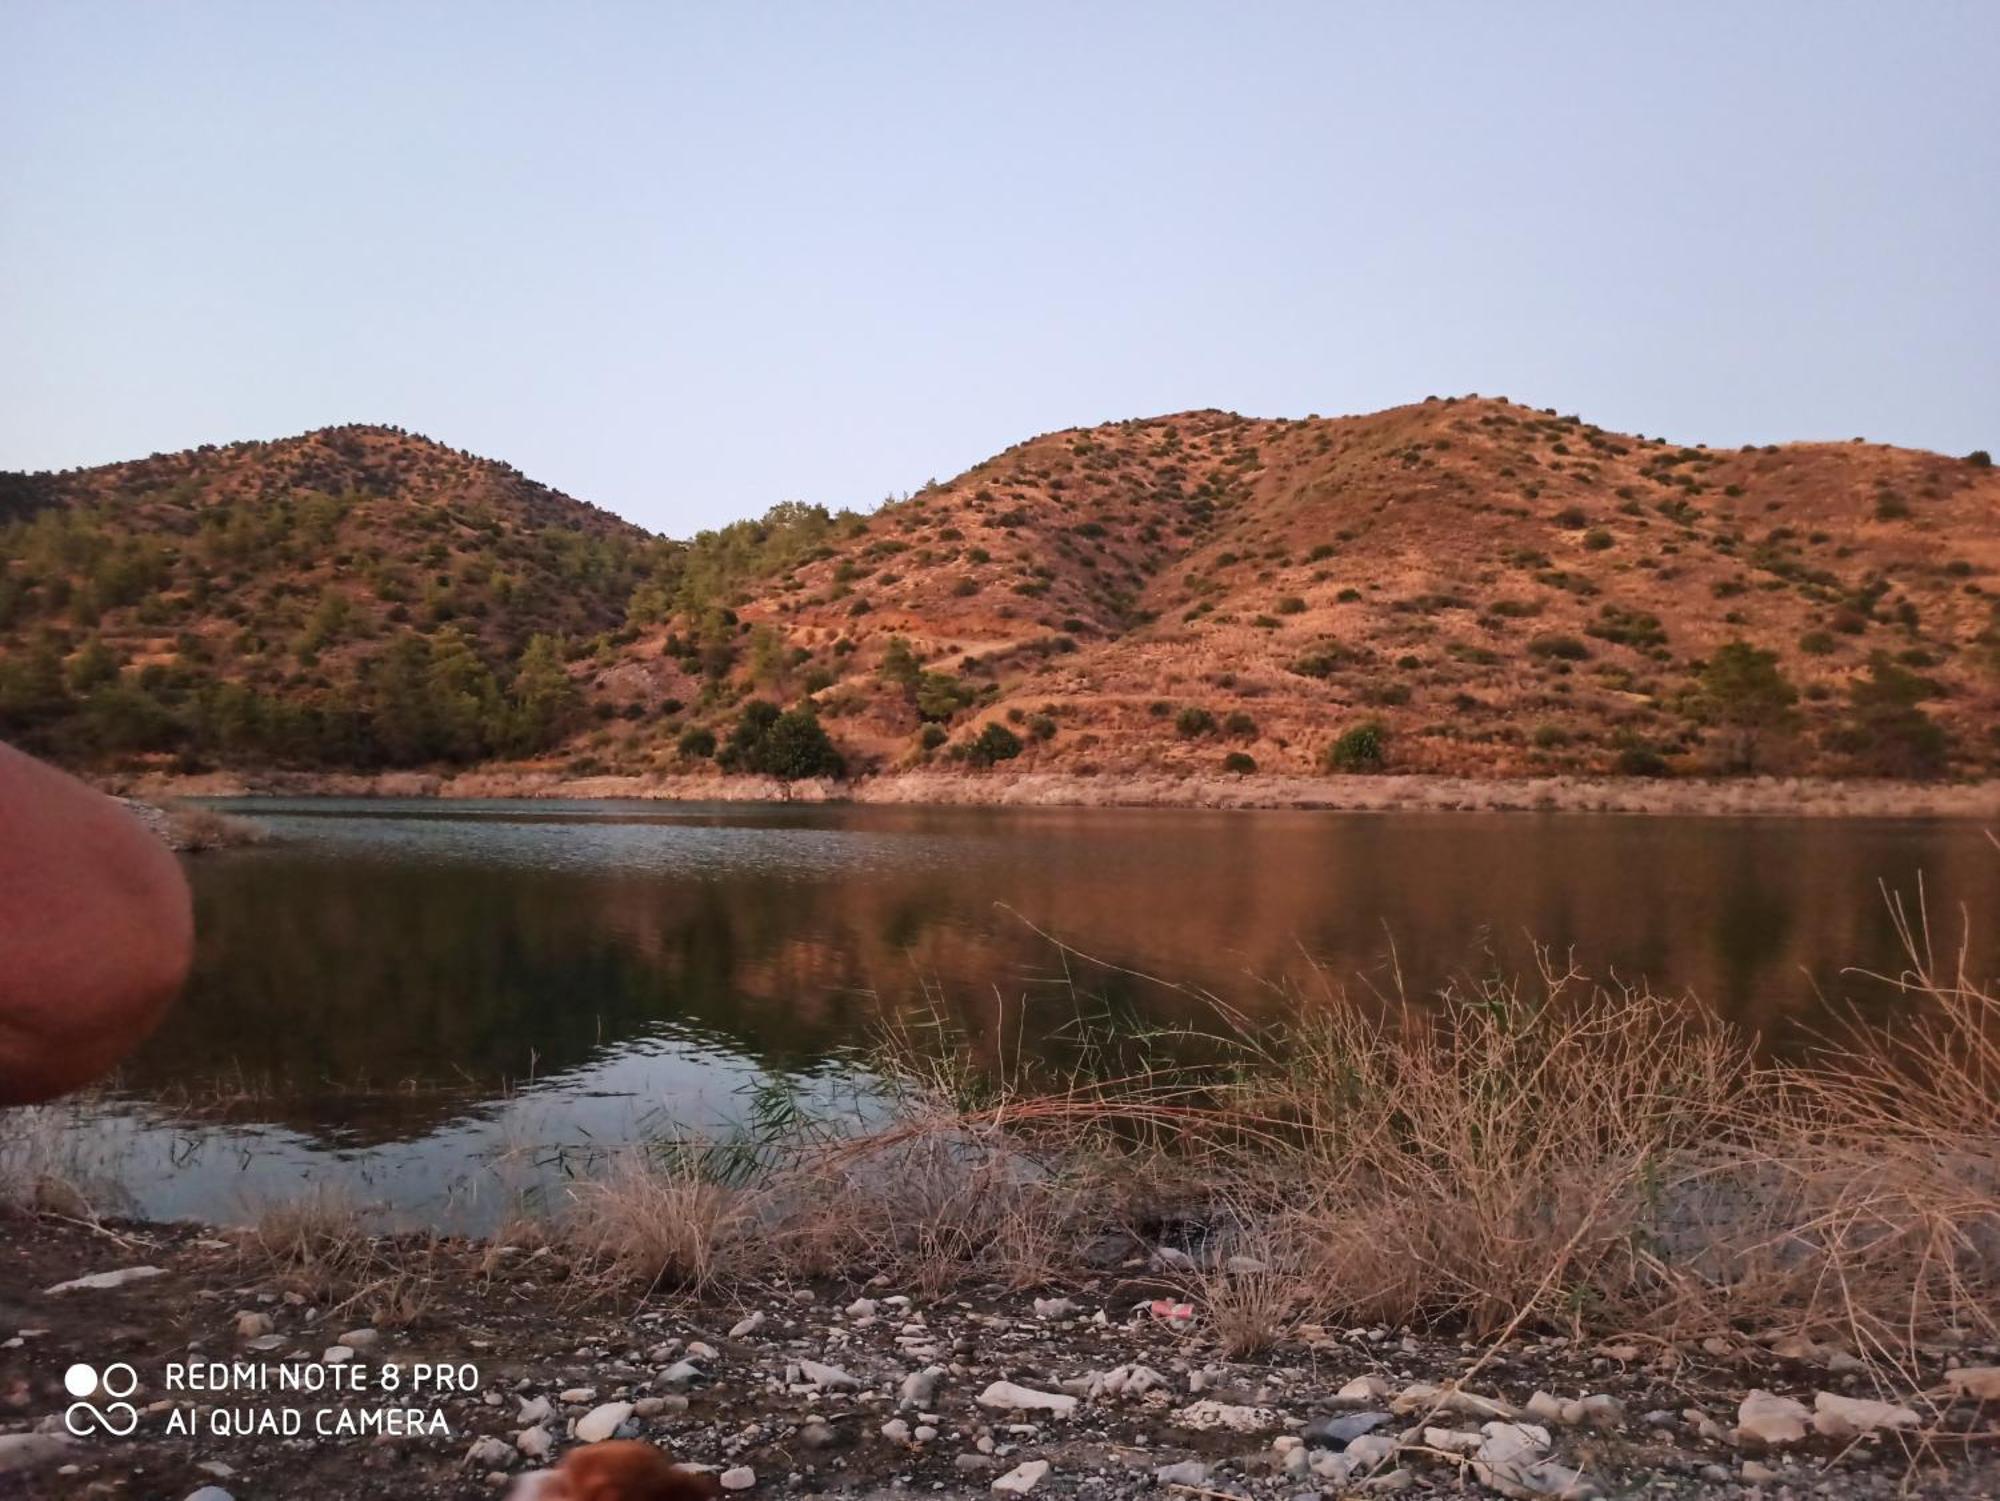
<point>1192,722</point>
<point>931,736</point>
<point>994,743</point>
<point>1239,724</point>
<point>1979,458</point>
<point>696,743</point>
<point>1816,643</point>
<point>1360,748</point>
<point>1291,604</point>
<point>1641,761</point>
<point>1239,764</point>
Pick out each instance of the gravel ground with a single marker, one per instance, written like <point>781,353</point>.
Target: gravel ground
<point>872,1391</point>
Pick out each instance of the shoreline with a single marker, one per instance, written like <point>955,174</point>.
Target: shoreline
<point>1786,797</point>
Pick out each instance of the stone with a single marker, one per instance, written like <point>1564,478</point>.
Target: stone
<point>828,1378</point>
<point>1007,1397</point>
<point>744,1327</point>
<point>741,1478</point>
<point>1363,1389</point>
<point>1209,1414</point>
<point>1124,1381</point>
<point>682,1373</point>
<point>1600,1410</point>
<point>98,1282</point>
<point>896,1431</point>
<point>359,1339</point>
<point>253,1325</point>
<point>1023,1478</point>
<point>490,1453</point>
<point>535,1442</point>
<point>534,1410</point>
<point>1339,1432</point>
<point>1054,1308</point>
<point>1187,1472</point>
<point>925,1433</point>
<point>601,1422</point>
<point>1512,1459</point>
<point>702,1350</point>
<point>1767,1419</point>
<point>919,1388</point>
<point>1546,1407</point>
<point>967,1464</point>
<point>1451,1440</point>
<point>210,1493</point>
<point>1838,1417</point>
<point>817,1435</point>
<point>1754,1472</point>
<point>1979,1382</point>
<point>862,1308</point>
<point>336,1355</point>
<point>576,1396</point>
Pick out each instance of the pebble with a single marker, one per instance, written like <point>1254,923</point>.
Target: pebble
<point>1008,1397</point>
<point>828,1378</point>
<point>490,1453</point>
<point>1339,1432</point>
<point>359,1339</point>
<point>337,1355</point>
<point>1023,1478</point>
<point>1838,1417</point>
<point>252,1325</point>
<point>919,1388</point>
<point>210,1493</point>
<point>601,1422</point>
<point>535,1442</point>
<point>1187,1472</point>
<point>1767,1419</point>
<point>741,1478</point>
<point>747,1326</point>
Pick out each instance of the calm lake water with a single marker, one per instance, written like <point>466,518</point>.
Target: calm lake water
<point>446,1006</point>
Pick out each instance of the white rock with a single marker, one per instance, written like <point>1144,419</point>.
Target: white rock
<point>336,1355</point>
<point>1546,1407</point>
<point>534,1410</point>
<point>1187,1472</point>
<point>359,1339</point>
<point>896,1431</point>
<point>702,1350</point>
<point>739,1479</point>
<point>1007,1397</point>
<point>210,1493</point>
<point>1363,1389</point>
<point>1236,1418</point>
<point>1451,1440</point>
<point>252,1325</point>
<point>862,1308</point>
<point>829,1378</point>
<point>490,1453</point>
<point>576,1396</point>
<point>1054,1308</point>
<point>103,1281</point>
<point>535,1442</point>
<point>1979,1382</point>
<point>920,1387</point>
<point>601,1422</point>
<point>1838,1417</point>
<point>744,1327</point>
<point>1768,1419</point>
<point>1023,1478</point>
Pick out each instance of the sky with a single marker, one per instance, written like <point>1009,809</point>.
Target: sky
<point>686,261</point>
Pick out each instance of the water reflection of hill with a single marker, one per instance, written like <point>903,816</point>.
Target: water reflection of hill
<point>325,967</point>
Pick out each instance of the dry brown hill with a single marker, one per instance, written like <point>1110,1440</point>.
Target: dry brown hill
<point>1460,585</point>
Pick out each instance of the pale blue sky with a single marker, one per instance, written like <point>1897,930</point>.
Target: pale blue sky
<point>686,261</point>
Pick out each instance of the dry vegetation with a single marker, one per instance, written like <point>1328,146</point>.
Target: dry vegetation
<point>1461,586</point>
<point>1552,1155</point>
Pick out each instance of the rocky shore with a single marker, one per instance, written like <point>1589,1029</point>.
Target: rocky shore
<point>1814,797</point>
<point>492,1362</point>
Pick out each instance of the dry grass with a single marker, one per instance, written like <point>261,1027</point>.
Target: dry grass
<point>1542,1152</point>
<point>190,826</point>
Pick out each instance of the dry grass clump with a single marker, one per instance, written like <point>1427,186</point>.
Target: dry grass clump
<point>317,1245</point>
<point>190,826</point>
<point>664,1221</point>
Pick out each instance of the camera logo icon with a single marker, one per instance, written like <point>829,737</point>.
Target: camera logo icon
<point>116,1418</point>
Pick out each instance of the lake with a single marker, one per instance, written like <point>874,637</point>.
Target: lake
<point>445,1007</point>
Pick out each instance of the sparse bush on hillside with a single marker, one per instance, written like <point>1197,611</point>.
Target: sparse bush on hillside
<point>786,745</point>
<point>993,743</point>
<point>1237,763</point>
<point>1239,724</point>
<point>696,743</point>
<point>1363,747</point>
<point>1193,722</point>
<point>1979,458</point>
<point>1886,732</point>
<point>1558,648</point>
<point>1743,690</point>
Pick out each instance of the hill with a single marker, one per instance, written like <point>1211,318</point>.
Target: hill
<point>1463,585</point>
